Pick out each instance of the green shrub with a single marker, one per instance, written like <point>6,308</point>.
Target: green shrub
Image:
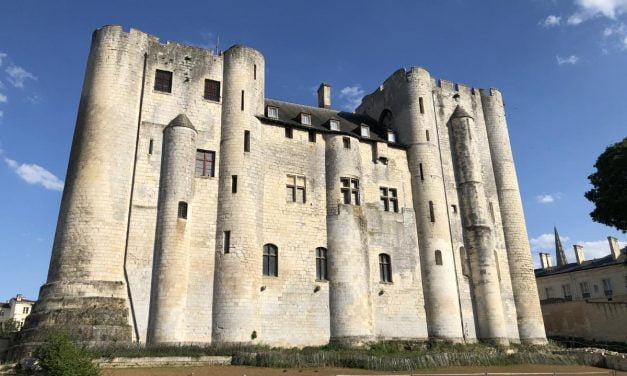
<point>60,356</point>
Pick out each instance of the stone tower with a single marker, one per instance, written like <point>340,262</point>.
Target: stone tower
<point>479,231</point>
<point>530,323</point>
<point>240,209</point>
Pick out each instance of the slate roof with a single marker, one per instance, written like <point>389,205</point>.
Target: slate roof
<point>586,265</point>
<point>350,123</point>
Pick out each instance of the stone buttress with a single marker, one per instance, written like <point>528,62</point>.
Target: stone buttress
<point>530,323</point>
<point>239,247</point>
<point>170,270</point>
<point>477,230</point>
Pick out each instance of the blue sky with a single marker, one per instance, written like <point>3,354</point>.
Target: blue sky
<point>561,66</point>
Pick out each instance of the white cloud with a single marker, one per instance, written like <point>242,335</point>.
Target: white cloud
<point>544,199</point>
<point>352,96</point>
<point>35,174</point>
<point>1,115</point>
<point>551,20</point>
<point>588,9</point>
<point>18,75</point>
<point>2,56</point>
<point>572,60</point>
<point>546,242</point>
<point>3,98</point>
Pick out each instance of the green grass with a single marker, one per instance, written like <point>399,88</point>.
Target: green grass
<point>389,356</point>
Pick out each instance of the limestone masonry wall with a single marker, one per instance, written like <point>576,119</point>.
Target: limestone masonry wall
<point>193,212</point>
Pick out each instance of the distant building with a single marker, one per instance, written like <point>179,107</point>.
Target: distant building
<point>17,309</point>
<point>584,299</point>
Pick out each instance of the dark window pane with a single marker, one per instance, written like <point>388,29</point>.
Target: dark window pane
<point>163,81</point>
<point>212,90</point>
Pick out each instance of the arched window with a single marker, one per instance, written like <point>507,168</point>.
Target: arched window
<point>464,261</point>
<point>270,260</point>
<point>438,257</point>
<point>321,264</point>
<point>385,268</point>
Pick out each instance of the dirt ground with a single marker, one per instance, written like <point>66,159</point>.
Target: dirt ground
<point>252,371</point>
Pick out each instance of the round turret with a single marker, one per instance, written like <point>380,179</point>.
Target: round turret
<point>171,257</point>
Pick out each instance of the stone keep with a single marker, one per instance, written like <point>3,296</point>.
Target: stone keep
<point>400,221</point>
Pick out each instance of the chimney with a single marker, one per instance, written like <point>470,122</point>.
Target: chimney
<point>324,96</point>
<point>614,247</point>
<point>18,297</point>
<point>545,260</point>
<point>579,254</point>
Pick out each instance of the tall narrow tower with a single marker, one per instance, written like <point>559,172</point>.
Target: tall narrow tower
<point>559,250</point>
<point>478,229</point>
<point>239,245</point>
<point>530,323</point>
<point>170,271</point>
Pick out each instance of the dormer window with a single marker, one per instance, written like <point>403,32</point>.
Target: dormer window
<point>334,125</point>
<point>273,112</point>
<point>365,131</point>
<point>391,136</point>
<point>305,119</point>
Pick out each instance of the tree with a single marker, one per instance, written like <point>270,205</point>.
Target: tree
<point>61,356</point>
<point>609,192</point>
<point>8,327</point>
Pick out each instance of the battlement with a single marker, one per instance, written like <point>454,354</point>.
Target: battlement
<point>135,34</point>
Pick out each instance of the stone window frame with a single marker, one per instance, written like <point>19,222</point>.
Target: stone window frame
<point>293,187</point>
<point>584,287</point>
<point>212,90</point>
<point>385,268</point>
<point>163,81</point>
<point>322,264</point>
<point>566,290</point>
<point>205,166</point>
<point>607,286</point>
<point>270,267</point>
<point>350,191</point>
<point>389,199</point>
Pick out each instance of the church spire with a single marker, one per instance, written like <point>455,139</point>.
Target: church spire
<point>559,250</point>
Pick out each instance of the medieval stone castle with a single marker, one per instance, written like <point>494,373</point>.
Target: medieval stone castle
<point>197,210</point>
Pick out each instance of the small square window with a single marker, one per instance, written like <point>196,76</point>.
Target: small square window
<point>365,131</point>
<point>312,136</point>
<point>212,90</point>
<point>289,132</point>
<point>391,136</point>
<point>205,163</point>
<point>305,119</point>
<point>334,125</point>
<point>273,112</point>
<point>163,81</point>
